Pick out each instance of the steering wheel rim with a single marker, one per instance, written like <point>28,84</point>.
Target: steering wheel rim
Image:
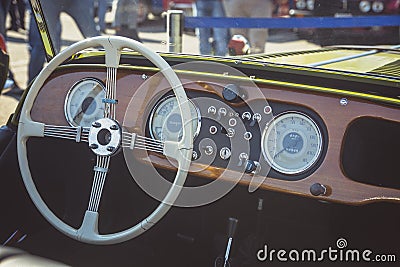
<point>88,231</point>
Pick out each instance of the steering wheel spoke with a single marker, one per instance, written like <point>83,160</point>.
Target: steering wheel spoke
<point>89,228</point>
<point>78,134</point>
<point>136,141</point>
<point>110,100</point>
<point>100,175</point>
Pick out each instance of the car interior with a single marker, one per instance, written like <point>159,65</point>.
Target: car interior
<point>120,156</point>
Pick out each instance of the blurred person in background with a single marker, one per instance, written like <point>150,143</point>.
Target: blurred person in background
<point>125,22</point>
<point>219,42</point>
<point>35,45</point>
<point>10,88</point>
<point>4,7</point>
<point>36,50</point>
<point>101,14</point>
<point>250,9</point>
<point>17,13</point>
<point>74,8</point>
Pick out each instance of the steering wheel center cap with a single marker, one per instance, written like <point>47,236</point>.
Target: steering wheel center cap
<point>105,137</point>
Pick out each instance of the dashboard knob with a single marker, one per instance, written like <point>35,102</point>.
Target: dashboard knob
<point>230,132</point>
<point>231,93</point>
<point>194,155</point>
<point>256,119</point>
<point>251,166</point>
<point>246,116</point>
<point>212,110</point>
<point>222,111</point>
<point>242,158</point>
<point>318,189</point>
<point>208,150</point>
<point>247,136</point>
<point>225,153</point>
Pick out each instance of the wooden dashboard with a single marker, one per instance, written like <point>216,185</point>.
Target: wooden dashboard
<point>336,114</point>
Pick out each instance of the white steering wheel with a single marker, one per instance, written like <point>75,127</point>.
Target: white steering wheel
<point>181,151</point>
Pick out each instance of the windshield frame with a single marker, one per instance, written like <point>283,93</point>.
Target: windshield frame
<point>41,23</point>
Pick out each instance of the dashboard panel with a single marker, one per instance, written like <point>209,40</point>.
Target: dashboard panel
<point>225,121</point>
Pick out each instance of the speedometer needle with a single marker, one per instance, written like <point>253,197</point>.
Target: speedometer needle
<point>277,154</point>
<point>84,107</point>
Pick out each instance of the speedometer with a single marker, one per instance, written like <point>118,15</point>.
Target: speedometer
<point>292,143</point>
<point>83,104</point>
<point>166,121</point>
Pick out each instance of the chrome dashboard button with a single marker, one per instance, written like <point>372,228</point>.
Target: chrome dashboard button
<point>208,150</point>
<point>247,136</point>
<point>230,132</point>
<point>212,110</point>
<point>246,116</point>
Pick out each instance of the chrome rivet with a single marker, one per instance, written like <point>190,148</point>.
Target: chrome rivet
<point>144,76</point>
<point>114,127</point>
<point>194,155</point>
<point>110,148</point>
<point>344,102</point>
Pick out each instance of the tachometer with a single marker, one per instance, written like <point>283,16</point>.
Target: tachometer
<point>166,121</point>
<point>83,104</point>
<point>292,143</point>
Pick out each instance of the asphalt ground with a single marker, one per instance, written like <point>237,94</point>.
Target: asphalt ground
<point>153,35</point>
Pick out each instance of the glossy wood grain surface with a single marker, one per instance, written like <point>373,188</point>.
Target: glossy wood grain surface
<point>49,108</point>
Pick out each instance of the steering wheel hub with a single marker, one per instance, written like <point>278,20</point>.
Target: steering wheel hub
<point>105,137</point>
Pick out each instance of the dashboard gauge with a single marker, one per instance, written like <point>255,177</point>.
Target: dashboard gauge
<point>166,121</point>
<point>83,104</point>
<point>291,143</point>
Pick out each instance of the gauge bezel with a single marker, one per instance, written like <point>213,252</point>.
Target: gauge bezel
<point>67,97</point>
<point>278,167</point>
<point>161,101</point>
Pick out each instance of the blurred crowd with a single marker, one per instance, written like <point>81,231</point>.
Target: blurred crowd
<point>91,22</point>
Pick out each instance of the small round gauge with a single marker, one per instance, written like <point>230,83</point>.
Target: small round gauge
<point>292,143</point>
<point>83,104</point>
<point>166,121</point>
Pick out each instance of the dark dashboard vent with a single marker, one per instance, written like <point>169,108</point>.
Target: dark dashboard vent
<point>391,69</point>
